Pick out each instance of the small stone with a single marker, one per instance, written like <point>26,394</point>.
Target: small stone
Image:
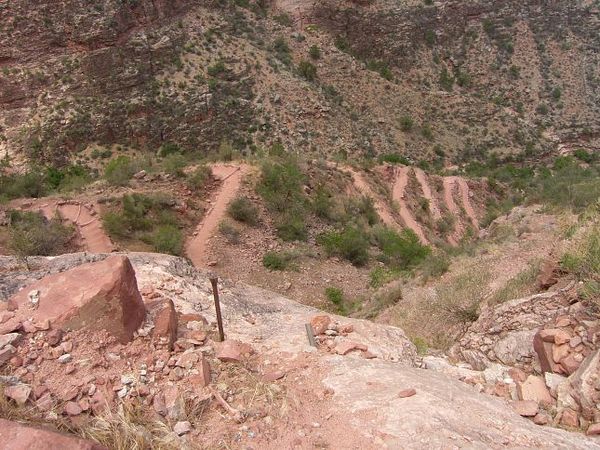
<point>563,322</point>
<point>541,419</point>
<point>127,379</point>
<point>72,409</point>
<point>19,393</point>
<point>570,364</point>
<point>525,408</point>
<point>67,346</point>
<point>534,388</point>
<point>9,339</point>
<point>575,341</point>
<point>569,418</point>
<point>66,358</point>
<point>233,351</point>
<point>404,393</point>
<point>319,324</point>
<point>34,298</point>
<point>593,429</point>
<point>122,393</point>
<point>562,337</point>
<point>273,375</point>
<point>182,428</point>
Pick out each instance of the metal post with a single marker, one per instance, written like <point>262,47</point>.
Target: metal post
<point>213,281</point>
<point>310,334</point>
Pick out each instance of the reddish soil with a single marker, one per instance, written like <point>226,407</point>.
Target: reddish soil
<point>84,217</point>
<point>464,194</point>
<point>398,195</point>
<point>433,206</point>
<point>231,176</point>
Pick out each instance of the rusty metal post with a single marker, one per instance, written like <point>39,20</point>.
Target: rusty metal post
<point>310,334</point>
<point>213,281</point>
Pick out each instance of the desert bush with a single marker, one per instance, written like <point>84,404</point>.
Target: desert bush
<point>199,178</point>
<point>231,233</point>
<point>445,224</point>
<point>119,171</point>
<point>278,260</point>
<point>323,203</point>
<point>402,250</point>
<point>524,283</point>
<point>314,51</point>
<point>29,184</point>
<point>435,265</point>
<point>383,275</point>
<point>291,227</point>
<point>281,185</point>
<point>352,244</point>
<point>359,210</point>
<point>334,295</point>
<point>243,210</point>
<point>174,163</point>
<point>31,234</point>
<point>307,70</point>
<point>394,158</point>
<point>382,300</point>
<point>167,239</point>
<point>583,260</point>
<point>168,148</point>
<point>406,123</point>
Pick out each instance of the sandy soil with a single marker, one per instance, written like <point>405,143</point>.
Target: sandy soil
<point>398,194</point>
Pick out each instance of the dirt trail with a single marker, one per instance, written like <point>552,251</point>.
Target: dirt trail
<point>466,201</point>
<point>231,175</point>
<point>93,237</point>
<point>449,184</point>
<point>382,209</point>
<point>398,194</point>
<point>433,207</point>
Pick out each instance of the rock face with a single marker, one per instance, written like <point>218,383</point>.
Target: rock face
<point>15,436</point>
<point>101,295</point>
<point>505,334</point>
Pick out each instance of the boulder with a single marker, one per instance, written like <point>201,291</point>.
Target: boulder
<point>548,275</point>
<point>165,322</point>
<point>544,353</point>
<point>534,388</point>
<point>19,393</point>
<point>582,385</point>
<point>16,436</point>
<point>101,295</point>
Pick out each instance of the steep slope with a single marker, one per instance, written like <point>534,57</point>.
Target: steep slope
<point>447,79</point>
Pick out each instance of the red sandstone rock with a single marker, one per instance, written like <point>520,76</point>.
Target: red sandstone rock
<point>273,375</point>
<point>233,351</point>
<point>534,388</point>
<point>570,364</point>
<point>525,408</point>
<point>100,295</point>
<point>346,347</point>
<point>319,324</point>
<point>562,337</point>
<point>544,352</point>
<point>21,437</point>
<point>165,322</point>
<point>541,419</point>
<point>559,352</point>
<point>569,418</point>
<point>19,393</point>
<point>548,275</point>
<point>72,409</point>
<point>593,429</point>
<point>404,393</point>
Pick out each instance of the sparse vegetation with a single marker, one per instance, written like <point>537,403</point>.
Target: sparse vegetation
<point>351,243</point>
<point>278,260</point>
<point>119,171</point>
<point>243,210</point>
<point>31,234</point>
<point>307,70</point>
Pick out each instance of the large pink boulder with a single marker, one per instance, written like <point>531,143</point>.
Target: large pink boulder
<point>99,296</point>
<point>15,436</point>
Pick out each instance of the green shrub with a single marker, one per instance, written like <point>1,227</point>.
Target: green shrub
<point>421,345</point>
<point>351,244</point>
<point>283,19</point>
<point>282,51</point>
<point>199,178</point>
<point>402,250</point>
<point>381,301</point>
<point>307,70</point>
<point>281,185</point>
<point>291,227</point>
<point>243,210</point>
<point>174,164</point>
<point>314,51</point>
<point>231,233</point>
<point>31,234</point>
<point>406,123</point>
<point>394,158</point>
<point>29,184</point>
<point>361,210</point>
<point>585,156</point>
<point>335,295</point>
<point>435,265</point>
<point>446,80</point>
<point>381,276</point>
<point>168,239</point>
<point>323,203</point>
<point>277,260</point>
<point>382,68</point>
<point>168,148</point>
<point>445,224</point>
<point>216,69</point>
<point>119,171</point>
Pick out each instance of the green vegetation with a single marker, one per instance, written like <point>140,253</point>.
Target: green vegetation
<point>382,68</point>
<point>149,219</point>
<point>174,163</point>
<point>314,52</point>
<point>231,233</point>
<point>394,158</point>
<point>282,51</point>
<point>351,243</point>
<point>198,179</point>
<point>406,123</point>
<point>434,265</point>
<point>31,234</point>
<point>583,260</point>
<point>280,187</point>
<point>307,70</point>
<point>401,250</point>
<point>446,80</point>
<point>521,285</point>
<point>381,276</point>
<point>119,171</point>
<point>338,299</point>
<point>278,260</point>
<point>243,210</point>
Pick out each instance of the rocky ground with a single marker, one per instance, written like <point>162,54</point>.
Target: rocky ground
<point>160,349</point>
